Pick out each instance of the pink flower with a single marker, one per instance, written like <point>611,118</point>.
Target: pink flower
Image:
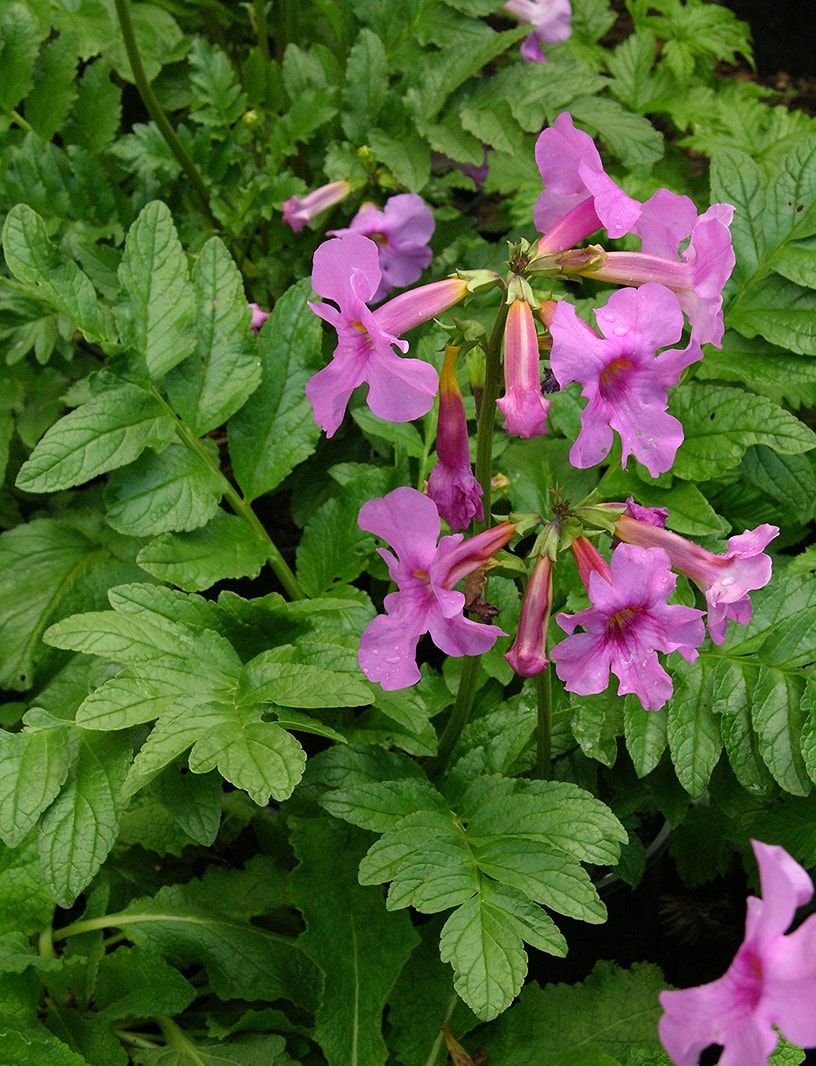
<point>697,280</point>
<point>452,486</point>
<point>725,579</point>
<point>528,653</point>
<point>401,232</point>
<point>579,198</point>
<point>772,980</point>
<point>425,574</point>
<point>628,623</point>
<point>524,406</point>
<point>346,270</point>
<point>665,221</point>
<point>300,210</point>
<point>622,375</point>
<point>258,316</point>
<point>550,20</point>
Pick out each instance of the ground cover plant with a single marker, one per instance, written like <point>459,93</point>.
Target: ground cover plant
<point>409,487</point>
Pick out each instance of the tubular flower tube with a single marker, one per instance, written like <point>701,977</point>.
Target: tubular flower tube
<point>528,653</point>
<point>298,211</point>
<point>697,280</point>
<point>401,232</point>
<point>425,601</point>
<point>589,560</point>
<point>725,579</point>
<point>346,270</point>
<point>579,197</point>
<point>622,376</point>
<point>550,21</point>
<point>452,486</point>
<point>771,981</point>
<point>524,406</point>
<point>628,623</point>
<point>259,316</point>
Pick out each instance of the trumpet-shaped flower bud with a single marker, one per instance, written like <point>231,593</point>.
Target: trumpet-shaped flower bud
<point>771,982</point>
<point>346,270</point>
<point>628,623</point>
<point>697,280</point>
<point>452,486</point>
<point>425,573</point>
<point>550,21</point>
<point>258,317</point>
<point>622,376</point>
<point>401,232</point>
<point>298,211</point>
<point>528,653</point>
<point>579,197</point>
<point>524,406</point>
<point>725,579</point>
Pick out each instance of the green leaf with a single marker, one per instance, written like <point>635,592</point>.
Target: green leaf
<point>407,156</point>
<point>790,479</point>
<point>194,800</point>
<point>136,983</point>
<point>779,310</point>
<point>732,699</point>
<point>227,547</point>
<point>275,429</point>
<point>631,137</point>
<point>27,902</point>
<point>80,827</point>
<point>379,805</point>
<point>20,45</point>
<point>267,680</point>
<point>33,767</point>
<point>720,423</point>
<point>224,370</point>
<point>645,733</point>
<point>778,717</point>
<point>158,38</point>
<point>366,85</point>
<point>219,98</point>
<point>693,731</point>
<point>349,934</point>
<point>95,116</point>
<point>59,282</point>
<point>155,316</point>
<point>175,489</point>
<point>55,91</point>
<point>110,430</point>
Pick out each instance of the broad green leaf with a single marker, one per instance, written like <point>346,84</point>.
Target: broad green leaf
<point>484,947</point>
<point>720,423</point>
<point>33,767</point>
<point>194,800</point>
<point>20,44</point>
<point>219,99</point>
<point>35,1044</point>
<point>54,92</point>
<point>47,568</point>
<point>259,757</point>
<point>366,85</point>
<point>358,945</point>
<point>778,717</point>
<point>379,805</point>
<point>155,316</point>
<point>779,310</point>
<point>227,547</point>
<point>224,369</point>
<point>597,722</point>
<point>110,430</point>
<point>95,116</point>
<point>275,429</point>
<point>407,156</point>
<point>773,372</point>
<point>790,479</point>
<point>732,699</point>
<point>59,282</point>
<point>693,731</point>
<point>645,733</point>
<point>265,680</point>
<point>80,827</point>
<point>177,729</point>
<point>128,699</point>
<point>791,209</point>
<point>136,983</point>
<point>168,491</point>
<point>28,905</point>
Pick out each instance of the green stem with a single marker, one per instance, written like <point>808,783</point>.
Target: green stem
<point>463,704</point>
<point>239,505</point>
<point>46,944</point>
<point>487,414</point>
<point>544,725</point>
<point>155,110</point>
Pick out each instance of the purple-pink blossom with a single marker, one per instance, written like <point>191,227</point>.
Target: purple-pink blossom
<point>725,579</point>
<point>771,982</point>
<point>523,405</point>
<point>628,623</point>
<point>298,211</point>
<point>452,486</point>
<point>528,652</point>
<point>579,197</point>
<point>425,574</point>
<point>401,231</point>
<point>550,21</point>
<point>259,316</point>
<point>346,271</point>
<point>697,279</point>
<point>623,376</point>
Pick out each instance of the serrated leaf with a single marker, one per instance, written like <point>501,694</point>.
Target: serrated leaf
<point>778,717</point>
<point>168,491</point>
<point>79,828</point>
<point>27,902</point>
<point>219,98</point>
<point>646,736</point>
<point>732,698</point>
<point>194,800</point>
<point>95,116</point>
<point>265,680</point>
<point>155,316</point>
<point>136,983</point>
<point>275,429</point>
<point>176,730</point>
<point>631,137</point>
<point>693,731</point>
<point>379,805</point>
<point>259,757</point>
<point>406,155</point>
<point>779,310</point>
<point>366,85</point>
<point>227,547</point>
<point>359,946</point>
<point>720,423</point>
<point>110,430</point>
<point>224,370</point>
<point>54,91</point>
<point>57,281</point>
<point>18,32</point>
<point>33,767</point>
